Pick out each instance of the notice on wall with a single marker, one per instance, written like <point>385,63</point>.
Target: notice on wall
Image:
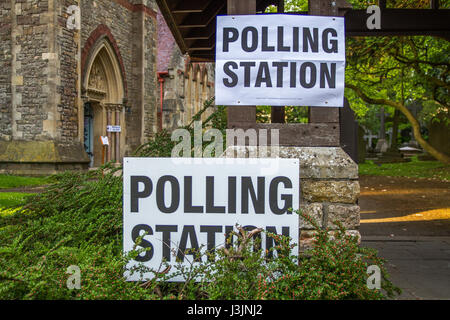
<point>280,60</point>
<point>104,141</point>
<point>113,129</point>
<point>183,209</point>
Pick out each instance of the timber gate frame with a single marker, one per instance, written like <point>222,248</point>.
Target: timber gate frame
<point>193,24</point>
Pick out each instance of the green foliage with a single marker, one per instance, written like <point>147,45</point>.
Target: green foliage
<point>333,269</point>
<point>77,221</point>
<point>410,70</point>
<point>263,114</point>
<point>162,145</point>
<point>291,6</point>
<point>11,199</point>
<point>413,169</point>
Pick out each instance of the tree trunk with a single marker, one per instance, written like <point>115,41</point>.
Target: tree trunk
<point>412,120</point>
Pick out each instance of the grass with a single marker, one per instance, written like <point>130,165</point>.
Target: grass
<point>9,181</point>
<point>9,199</point>
<point>414,169</point>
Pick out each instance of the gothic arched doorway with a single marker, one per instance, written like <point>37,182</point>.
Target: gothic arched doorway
<point>104,109</point>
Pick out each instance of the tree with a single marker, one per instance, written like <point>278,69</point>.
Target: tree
<point>396,71</point>
<point>399,70</point>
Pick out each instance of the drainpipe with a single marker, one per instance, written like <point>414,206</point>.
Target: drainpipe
<point>161,79</point>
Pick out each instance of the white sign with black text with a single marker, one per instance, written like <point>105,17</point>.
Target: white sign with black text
<point>182,207</point>
<point>280,60</point>
<point>113,128</point>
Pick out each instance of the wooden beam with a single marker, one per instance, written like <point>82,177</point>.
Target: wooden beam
<point>397,22</point>
<point>202,33</point>
<point>434,4</point>
<point>168,16</point>
<point>192,6</point>
<point>280,6</point>
<point>195,20</point>
<point>235,7</point>
<point>202,45</point>
<point>202,56</point>
<point>297,134</point>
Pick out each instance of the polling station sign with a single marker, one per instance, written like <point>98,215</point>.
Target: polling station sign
<point>280,60</point>
<point>182,208</point>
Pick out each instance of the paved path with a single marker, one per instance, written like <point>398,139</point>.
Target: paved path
<point>419,266</point>
<point>408,222</point>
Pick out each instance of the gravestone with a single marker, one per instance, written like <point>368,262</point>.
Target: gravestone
<point>439,134</point>
<point>362,145</point>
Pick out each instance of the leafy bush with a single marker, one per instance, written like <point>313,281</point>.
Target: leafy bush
<point>333,269</point>
<point>77,221</point>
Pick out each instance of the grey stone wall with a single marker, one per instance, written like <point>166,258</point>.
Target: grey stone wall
<point>5,67</point>
<point>23,96</point>
<point>41,78</point>
<point>67,71</point>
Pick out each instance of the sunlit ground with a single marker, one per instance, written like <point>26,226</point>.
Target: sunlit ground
<point>430,215</point>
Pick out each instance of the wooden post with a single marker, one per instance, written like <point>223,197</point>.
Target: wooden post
<point>241,116</point>
<point>278,114</point>
<point>324,8</point>
<point>435,4</point>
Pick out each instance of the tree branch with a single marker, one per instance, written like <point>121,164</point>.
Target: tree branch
<point>414,123</point>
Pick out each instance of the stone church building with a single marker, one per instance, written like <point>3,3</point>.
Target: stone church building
<point>117,74</point>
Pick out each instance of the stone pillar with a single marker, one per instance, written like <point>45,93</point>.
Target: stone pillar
<point>329,187</point>
<point>43,132</point>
